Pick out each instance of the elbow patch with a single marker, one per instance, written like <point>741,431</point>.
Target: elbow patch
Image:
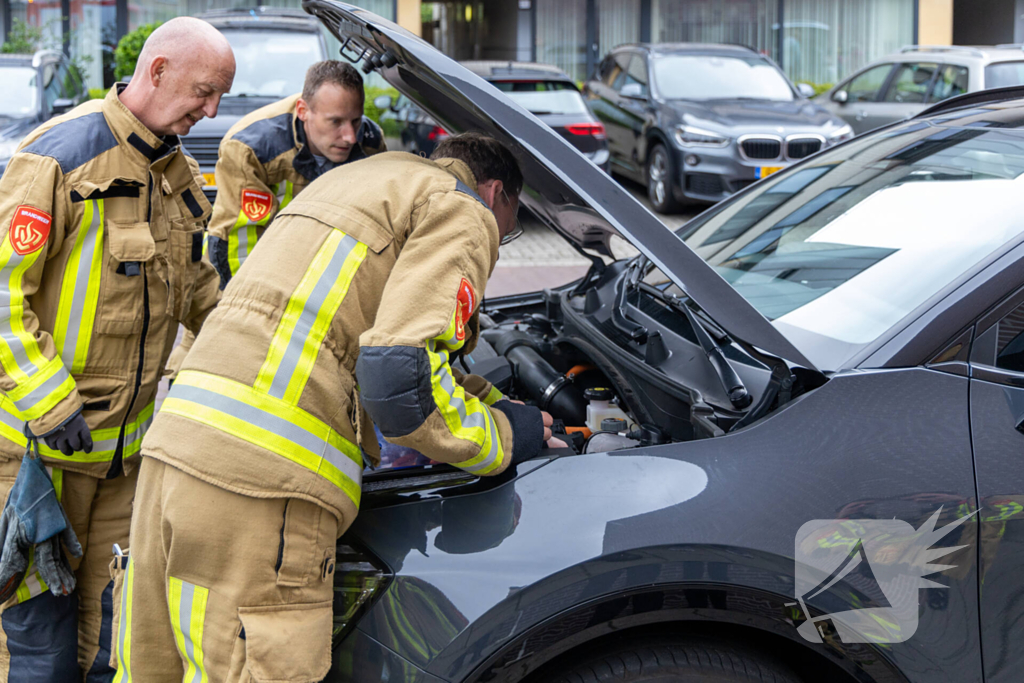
<point>394,387</point>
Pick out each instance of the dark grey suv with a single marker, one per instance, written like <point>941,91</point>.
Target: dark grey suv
<point>699,122</point>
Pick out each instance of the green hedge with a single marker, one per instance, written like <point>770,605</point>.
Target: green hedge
<point>128,48</point>
<point>818,87</point>
<point>97,93</point>
<point>389,125</point>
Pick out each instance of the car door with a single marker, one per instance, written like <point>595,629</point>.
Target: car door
<point>854,99</point>
<point>906,93</point>
<point>953,80</point>
<point>606,103</point>
<point>997,432</point>
<point>635,103</point>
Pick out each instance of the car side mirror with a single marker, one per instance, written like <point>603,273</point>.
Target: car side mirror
<point>383,102</point>
<point>840,96</point>
<point>805,90</point>
<point>62,105</point>
<point>634,91</point>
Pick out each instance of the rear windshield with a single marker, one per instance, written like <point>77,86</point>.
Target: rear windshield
<point>1004,74</point>
<point>710,77</point>
<point>544,97</point>
<point>18,84</point>
<point>271,63</point>
<point>838,251</point>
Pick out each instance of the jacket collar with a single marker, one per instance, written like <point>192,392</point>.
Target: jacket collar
<point>460,170</point>
<point>130,132</point>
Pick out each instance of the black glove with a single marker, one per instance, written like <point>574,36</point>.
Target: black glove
<point>218,250</point>
<point>71,437</point>
<point>527,429</point>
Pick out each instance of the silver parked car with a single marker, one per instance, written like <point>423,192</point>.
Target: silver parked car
<point>905,84</point>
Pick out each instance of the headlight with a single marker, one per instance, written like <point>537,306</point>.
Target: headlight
<point>358,579</point>
<point>840,134</point>
<point>689,136</point>
<point>8,148</point>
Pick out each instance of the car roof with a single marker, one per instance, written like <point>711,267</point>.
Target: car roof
<point>261,17</point>
<point>959,53</point>
<point>35,59</point>
<point>692,48</point>
<point>493,70</point>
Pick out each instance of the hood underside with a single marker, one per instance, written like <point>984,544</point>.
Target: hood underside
<point>563,189</point>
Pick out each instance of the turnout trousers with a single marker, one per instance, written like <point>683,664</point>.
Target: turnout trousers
<point>221,586</point>
<point>53,639</point>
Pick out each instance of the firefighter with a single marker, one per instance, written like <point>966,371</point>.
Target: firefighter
<point>101,224</point>
<point>231,571</point>
<point>273,153</point>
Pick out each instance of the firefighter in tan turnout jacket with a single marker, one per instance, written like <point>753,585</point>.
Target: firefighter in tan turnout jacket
<point>101,228</point>
<point>380,289</point>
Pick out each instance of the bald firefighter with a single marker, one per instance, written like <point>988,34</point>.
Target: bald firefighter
<point>101,228</point>
<point>273,153</point>
<point>231,571</point>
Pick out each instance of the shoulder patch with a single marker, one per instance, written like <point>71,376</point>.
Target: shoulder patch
<point>465,305</point>
<point>30,228</point>
<point>75,142</point>
<point>256,204</point>
<point>268,138</point>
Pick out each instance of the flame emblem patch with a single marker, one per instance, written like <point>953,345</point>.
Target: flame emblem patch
<point>30,228</point>
<point>256,204</point>
<point>466,303</point>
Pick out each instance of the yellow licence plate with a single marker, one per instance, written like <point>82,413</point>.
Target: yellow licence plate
<point>765,171</point>
<point>208,178</point>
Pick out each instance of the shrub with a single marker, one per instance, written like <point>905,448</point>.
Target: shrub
<point>819,87</point>
<point>389,126</point>
<point>128,49</point>
<point>23,39</point>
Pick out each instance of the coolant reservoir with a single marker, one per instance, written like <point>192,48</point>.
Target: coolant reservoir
<point>600,407</point>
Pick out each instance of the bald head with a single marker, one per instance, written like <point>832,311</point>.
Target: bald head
<point>184,68</point>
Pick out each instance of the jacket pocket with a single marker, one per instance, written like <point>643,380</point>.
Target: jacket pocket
<point>118,568</point>
<point>121,287</point>
<point>287,643</point>
<point>185,251</point>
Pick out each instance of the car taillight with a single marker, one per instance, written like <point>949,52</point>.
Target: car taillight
<point>593,129</point>
<point>358,578</point>
<point>436,133</point>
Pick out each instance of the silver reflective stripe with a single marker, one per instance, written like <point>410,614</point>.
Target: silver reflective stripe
<point>124,628</point>
<point>492,455</point>
<point>448,384</point>
<point>304,325</point>
<point>243,242</point>
<point>12,421</point>
<point>45,389</point>
<point>7,314</point>
<point>81,285</point>
<point>272,423</point>
<point>188,592</point>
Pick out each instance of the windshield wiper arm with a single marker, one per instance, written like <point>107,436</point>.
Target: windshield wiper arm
<point>731,382</point>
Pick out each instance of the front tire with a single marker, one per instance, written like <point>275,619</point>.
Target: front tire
<point>689,660</point>
<point>660,174</point>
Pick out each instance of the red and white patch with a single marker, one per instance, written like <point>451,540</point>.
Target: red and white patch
<point>466,299</point>
<point>256,204</point>
<point>30,228</point>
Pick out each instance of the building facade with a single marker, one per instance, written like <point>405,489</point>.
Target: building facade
<point>817,41</point>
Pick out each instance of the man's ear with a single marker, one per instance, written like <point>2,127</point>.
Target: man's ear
<point>489,191</point>
<point>302,109</point>
<point>157,70</point>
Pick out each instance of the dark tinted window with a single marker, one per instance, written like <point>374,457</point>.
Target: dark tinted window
<point>51,85</point>
<point>952,81</point>
<point>544,97</point>
<point>910,83</point>
<point>1010,344</point>
<point>619,64</point>
<point>865,87</point>
<point>637,73</point>
<point>1004,74</point>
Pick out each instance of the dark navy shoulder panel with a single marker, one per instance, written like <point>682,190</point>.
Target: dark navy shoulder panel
<point>465,189</point>
<point>268,138</point>
<point>75,142</point>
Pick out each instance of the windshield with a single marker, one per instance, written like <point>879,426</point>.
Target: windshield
<point>707,77</point>
<point>1004,74</point>
<point>544,97</point>
<point>18,84</point>
<point>838,252</point>
<point>271,63</point>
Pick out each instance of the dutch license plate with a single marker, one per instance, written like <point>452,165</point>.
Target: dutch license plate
<point>208,178</point>
<point>765,171</point>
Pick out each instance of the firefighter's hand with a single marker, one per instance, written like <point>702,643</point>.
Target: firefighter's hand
<point>71,437</point>
<point>548,421</point>
<point>530,427</point>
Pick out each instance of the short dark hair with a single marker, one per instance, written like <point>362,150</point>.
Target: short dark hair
<point>487,158</point>
<point>331,71</point>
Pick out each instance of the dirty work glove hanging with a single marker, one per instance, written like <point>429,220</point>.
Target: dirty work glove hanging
<point>34,517</point>
<point>71,437</point>
<point>218,250</point>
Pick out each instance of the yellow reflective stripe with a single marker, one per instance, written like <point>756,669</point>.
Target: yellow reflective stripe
<point>104,441</point>
<point>242,238</point>
<point>80,288</point>
<point>57,477</point>
<point>493,396</point>
<point>466,416</point>
<point>124,644</point>
<point>187,604</point>
<point>307,317</point>
<point>285,200</point>
<point>19,353</point>
<point>270,423</point>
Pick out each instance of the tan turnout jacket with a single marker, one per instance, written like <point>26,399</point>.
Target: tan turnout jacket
<point>101,226</point>
<point>390,277</point>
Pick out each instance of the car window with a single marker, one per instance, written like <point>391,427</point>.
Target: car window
<point>18,84</point>
<point>544,97</point>
<point>910,83</point>
<point>271,63</point>
<point>865,87</point>
<point>637,73</point>
<point>952,81</point>
<point>613,79</point>
<point>51,85</point>
<point>850,253</point>
<point>1010,341</point>
<point>717,77</point>
<point>1004,74</point>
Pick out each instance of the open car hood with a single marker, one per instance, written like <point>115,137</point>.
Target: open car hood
<point>564,190</point>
